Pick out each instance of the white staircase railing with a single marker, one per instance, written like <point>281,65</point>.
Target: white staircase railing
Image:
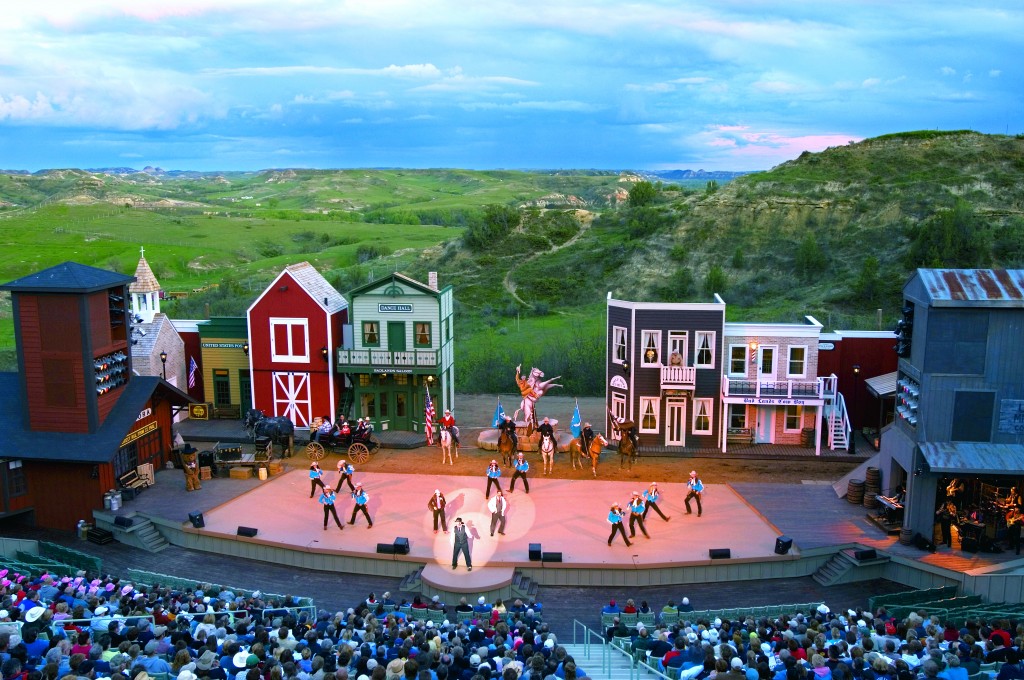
<point>616,662</point>
<point>839,428</point>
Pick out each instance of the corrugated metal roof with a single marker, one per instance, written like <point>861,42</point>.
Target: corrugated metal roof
<point>322,292</point>
<point>974,457</point>
<point>998,287</point>
<point>882,385</point>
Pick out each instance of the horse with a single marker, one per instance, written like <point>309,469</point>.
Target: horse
<point>575,449</point>
<point>280,429</point>
<point>548,446</point>
<point>447,444</point>
<point>627,451</point>
<point>505,448</point>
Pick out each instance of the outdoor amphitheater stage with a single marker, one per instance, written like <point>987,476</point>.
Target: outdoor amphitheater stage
<point>564,516</point>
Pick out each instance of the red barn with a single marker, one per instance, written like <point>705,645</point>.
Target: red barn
<point>295,326</point>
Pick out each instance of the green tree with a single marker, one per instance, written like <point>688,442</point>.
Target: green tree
<point>711,187</point>
<point>499,221</point>
<point>739,259</point>
<point>868,286</point>
<point>642,193</point>
<point>715,281</point>
<point>810,260</point>
<point>954,238</point>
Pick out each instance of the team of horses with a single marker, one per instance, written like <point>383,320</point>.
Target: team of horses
<point>548,447</point>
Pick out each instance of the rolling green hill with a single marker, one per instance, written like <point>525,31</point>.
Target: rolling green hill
<point>532,255</point>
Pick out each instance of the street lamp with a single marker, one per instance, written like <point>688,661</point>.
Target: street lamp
<point>856,389</point>
<point>163,361</point>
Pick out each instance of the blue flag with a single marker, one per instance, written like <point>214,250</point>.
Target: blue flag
<point>499,415</point>
<point>577,423</point>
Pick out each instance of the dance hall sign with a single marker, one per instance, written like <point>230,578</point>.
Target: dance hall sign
<point>1011,416</point>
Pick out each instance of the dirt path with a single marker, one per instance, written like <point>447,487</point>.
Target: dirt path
<point>585,218</point>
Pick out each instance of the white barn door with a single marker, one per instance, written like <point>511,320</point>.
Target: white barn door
<point>291,397</point>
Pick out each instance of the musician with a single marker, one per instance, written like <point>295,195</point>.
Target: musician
<point>975,515</point>
<point>346,471</point>
<point>510,427</point>
<point>946,515</point>
<point>696,491</point>
<point>900,495</point>
<point>1013,499</point>
<point>448,422</point>
<point>636,515</point>
<point>361,498</point>
<point>1014,518</point>
<point>651,496</point>
<point>316,478</point>
<point>546,428</point>
<point>327,499</point>
<point>522,467</point>
<point>436,505</point>
<point>615,519</point>
<point>493,473</point>
<point>325,429</point>
<point>955,491</point>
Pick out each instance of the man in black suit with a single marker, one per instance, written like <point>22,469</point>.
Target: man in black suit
<point>461,545</point>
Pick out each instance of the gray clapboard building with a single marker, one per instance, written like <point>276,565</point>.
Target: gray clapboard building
<point>960,399</point>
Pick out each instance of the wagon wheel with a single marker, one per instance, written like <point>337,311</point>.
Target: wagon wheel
<point>374,444</point>
<point>314,451</point>
<point>358,452</point>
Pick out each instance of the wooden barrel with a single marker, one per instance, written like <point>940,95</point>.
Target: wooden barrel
<point>873,476</point>
<point>870,500</point>
<point>855,491</point>
<point>906,536</point>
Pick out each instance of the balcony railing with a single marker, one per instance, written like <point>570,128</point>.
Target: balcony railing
<point>419,358</point>
<point>678,377</point>
<point>818,388</point>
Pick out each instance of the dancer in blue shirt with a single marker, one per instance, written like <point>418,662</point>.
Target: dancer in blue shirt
<point>316,478</point>
<point>327,499</point>
<point>361,498</point>
<point>651,496</point>
<point>636,515</point>
<point>615,519</point>
<point>696,491</point>
<point>522,467</point>
<point>493,473</point>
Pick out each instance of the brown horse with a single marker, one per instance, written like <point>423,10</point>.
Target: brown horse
<point>627,449</point>
<point>576,450</point>
<point>506,448</point>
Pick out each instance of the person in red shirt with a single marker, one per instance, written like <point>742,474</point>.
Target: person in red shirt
<point>448,422</point>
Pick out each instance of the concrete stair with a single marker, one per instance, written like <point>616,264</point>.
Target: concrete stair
<point>619,666</point>
<point>149,537</point>
<point>844,567</point>
<point>411,581</point>
<point>524,587</point>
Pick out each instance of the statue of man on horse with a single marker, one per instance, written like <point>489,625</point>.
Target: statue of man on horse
<point>532,388</point>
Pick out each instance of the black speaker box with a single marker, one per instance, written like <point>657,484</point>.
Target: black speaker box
<point>401,545</point>
<point>247,531</point>
<point>967,545</point>
<point>719,553</point>
<point>535,552</point>
<point>386,548</point>
<point>867,554</point>
<point>123,522</point>
<point>551,557</point>
<point>197,519</point>
<point>783,544</point>
<point>923,543</point>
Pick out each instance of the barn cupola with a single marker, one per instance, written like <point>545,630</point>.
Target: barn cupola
<point>71,329</point>
<point>145,291</point>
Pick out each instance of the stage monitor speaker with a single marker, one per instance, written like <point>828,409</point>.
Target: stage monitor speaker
<point>535,552</point>
<point>968,544</point>
<point>719,553</point>
<point>197,519</point>
<point>923,543</point>
<point>783,544</point>
<point>386,548</point>
<point>123,522</point>
<point>401,545</point>
<point>551,557</point>
<point>868,554</point>
<point>247,531</point>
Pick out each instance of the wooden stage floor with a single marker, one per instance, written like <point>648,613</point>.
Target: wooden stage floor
<point>565,516</point>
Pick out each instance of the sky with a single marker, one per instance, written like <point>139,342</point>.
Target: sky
<point>483,84</point>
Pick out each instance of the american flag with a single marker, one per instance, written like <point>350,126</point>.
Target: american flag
<point>428,417</point>
<point>193,368</point>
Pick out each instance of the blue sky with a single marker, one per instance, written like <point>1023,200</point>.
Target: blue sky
<point>647,84</point>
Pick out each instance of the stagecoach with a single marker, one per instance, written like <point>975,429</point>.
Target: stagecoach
<point>359,449</point>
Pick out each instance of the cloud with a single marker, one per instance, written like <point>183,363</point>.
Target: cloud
<point>947,71</point>
<point>650,87</point>
<point>871,82</point>
<point>415,71</point>
<point>744,142</point>
<point>776,87</point>
<point>995,73</point>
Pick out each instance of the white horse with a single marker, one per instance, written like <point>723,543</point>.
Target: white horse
<point>548,446</point>
<point>447,444</point>
<point>531,388</point>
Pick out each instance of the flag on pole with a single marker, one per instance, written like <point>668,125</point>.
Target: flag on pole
<point>193,368</point>
<point>499,415</point>
<point>428,418</point>
<point>577,422</point>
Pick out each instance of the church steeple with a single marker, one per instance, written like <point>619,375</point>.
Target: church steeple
<point>145,291</point>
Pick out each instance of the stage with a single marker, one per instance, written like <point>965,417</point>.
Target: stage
<point>564,516</point>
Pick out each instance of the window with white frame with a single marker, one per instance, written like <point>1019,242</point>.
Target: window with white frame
<point>678,346</point>
<point>620,350</point>
<point>650,344</point>
<point>289,340</point>
<point>704,349</point>
<point>794,418</point>
<point>649,414</point>
<point>702,415</point>
<point>737,415</point>
<point>797,367</point>
<point>738,360</point>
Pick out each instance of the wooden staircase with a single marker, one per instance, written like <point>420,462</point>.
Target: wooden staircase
<point>839,423</point>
